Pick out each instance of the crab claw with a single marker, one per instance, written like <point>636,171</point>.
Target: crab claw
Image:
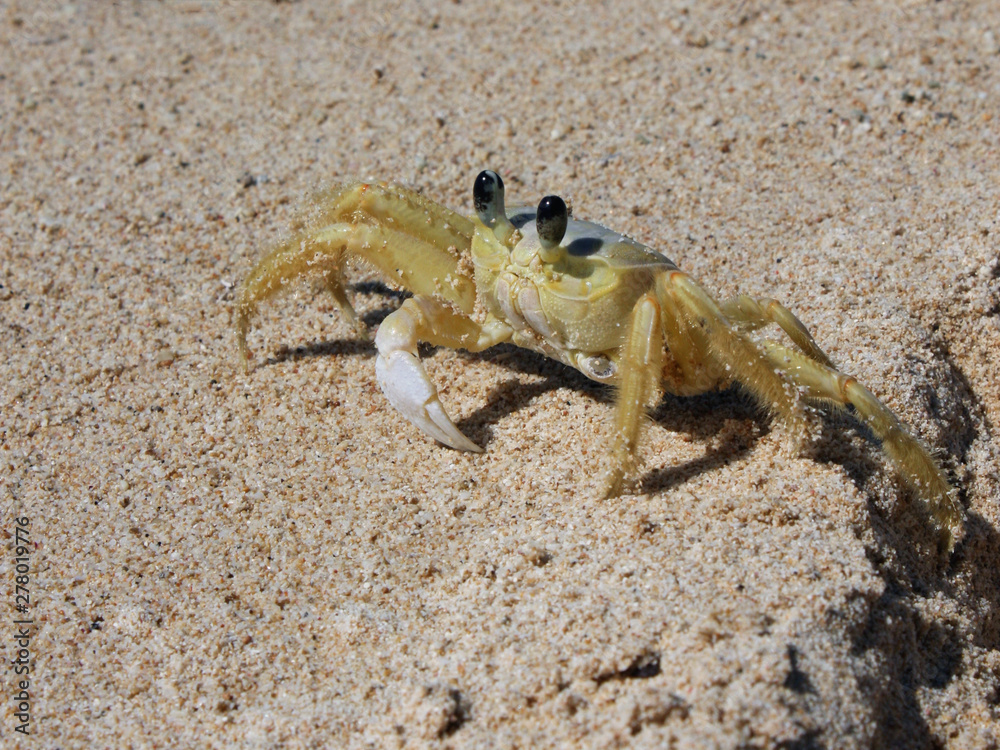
<point>405,383</point>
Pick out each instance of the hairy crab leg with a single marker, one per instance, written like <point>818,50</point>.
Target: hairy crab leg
<point>749,314</point>
<point>400,208</point>
<point>420,251</point>
<point>729,353</point>
<point>402,376</point>
<point>686,348</point>
<point>638,385</point>
<point>912,460</point>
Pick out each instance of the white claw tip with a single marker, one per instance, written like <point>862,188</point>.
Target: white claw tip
<point>405,383</point>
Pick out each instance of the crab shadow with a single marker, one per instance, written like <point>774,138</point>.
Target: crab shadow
<point>702,418</point>
<point>322,349</point>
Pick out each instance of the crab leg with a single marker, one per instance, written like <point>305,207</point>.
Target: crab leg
<point>750,314</point>
<point>913,462</point>
<point>402,376</point>
<point>638,385</point>
<point>697,375</point>
<point>701,332</point>
<point>413,242</point>
<point>335,286</point>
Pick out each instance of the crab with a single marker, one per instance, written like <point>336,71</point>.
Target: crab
<point>580,293</point>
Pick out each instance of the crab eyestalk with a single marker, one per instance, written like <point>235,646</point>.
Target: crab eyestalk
<point>550,221</point>
<point>487,195</point>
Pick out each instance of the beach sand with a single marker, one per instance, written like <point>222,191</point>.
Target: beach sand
<point>277,559</point>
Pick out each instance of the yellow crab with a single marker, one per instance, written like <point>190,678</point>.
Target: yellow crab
<point>577,292</point>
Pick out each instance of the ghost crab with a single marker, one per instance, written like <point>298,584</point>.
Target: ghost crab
<point>577,292</point>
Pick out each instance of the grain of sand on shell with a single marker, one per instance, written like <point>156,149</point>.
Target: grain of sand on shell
<point>276,559</point>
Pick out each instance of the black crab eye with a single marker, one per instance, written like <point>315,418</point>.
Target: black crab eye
<point>551,220</point>
<point>487,196</point>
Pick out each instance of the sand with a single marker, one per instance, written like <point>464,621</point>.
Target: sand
<point>277,559</point>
